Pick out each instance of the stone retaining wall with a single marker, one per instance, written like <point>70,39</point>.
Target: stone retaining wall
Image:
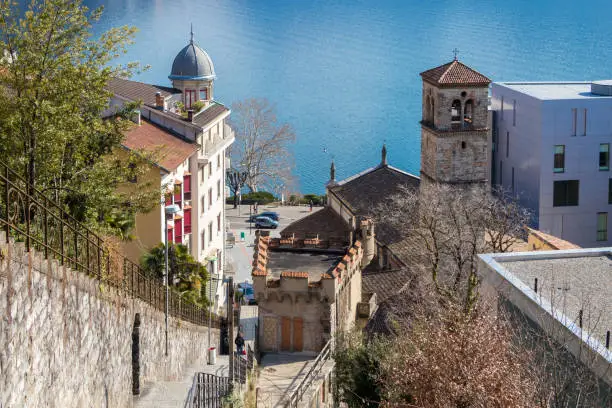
<point>66,339</point>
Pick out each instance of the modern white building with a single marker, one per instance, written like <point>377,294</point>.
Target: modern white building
<point>552,149</point>
<point>186,131</point>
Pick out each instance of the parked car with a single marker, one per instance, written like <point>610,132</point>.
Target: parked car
<point>265,222</point>
<point>248,294</point>
<point>270,214</point>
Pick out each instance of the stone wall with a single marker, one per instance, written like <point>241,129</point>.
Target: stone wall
<point>66,339</point>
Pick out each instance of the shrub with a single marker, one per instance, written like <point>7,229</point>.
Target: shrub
<point>259,197</point>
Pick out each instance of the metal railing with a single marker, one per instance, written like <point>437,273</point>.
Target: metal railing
<point>208,391</point>
<point>27,215</point>
<point>312,373</point>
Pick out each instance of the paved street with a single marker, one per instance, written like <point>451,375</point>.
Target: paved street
<point>242,253</point>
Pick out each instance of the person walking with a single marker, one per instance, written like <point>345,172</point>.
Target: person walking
<point>239,343</point>
<point>310,205</point>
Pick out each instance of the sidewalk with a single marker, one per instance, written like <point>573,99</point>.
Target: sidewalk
<point>173,394</point>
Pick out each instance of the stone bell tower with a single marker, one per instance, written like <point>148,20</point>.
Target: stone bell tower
<point>455,131</point>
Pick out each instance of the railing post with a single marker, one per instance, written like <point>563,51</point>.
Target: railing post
<point>46,228</point>
<point>87,252</point>
<point>28,216</point>
<point>99,247</point>
<point>6,199</point>
<point>76,246</point>
<point>61,225</point>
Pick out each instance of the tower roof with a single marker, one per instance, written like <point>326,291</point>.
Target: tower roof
<point>454,73</point>
<point>192,62</point>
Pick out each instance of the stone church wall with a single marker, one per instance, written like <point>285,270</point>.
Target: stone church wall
<point>66,340</point>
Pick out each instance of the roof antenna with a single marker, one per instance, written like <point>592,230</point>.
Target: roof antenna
<point>191,41</point>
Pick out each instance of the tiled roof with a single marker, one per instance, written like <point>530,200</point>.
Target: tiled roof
<point>136,91</point>
<point>454,73</point>
<point>213,111</point>
<point>385,283</point>
<point>364,192</point>
<point>555,242</point>
<point>169,151</point>
<point>326,223</point>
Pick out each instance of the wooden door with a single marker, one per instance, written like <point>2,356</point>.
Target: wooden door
<point>298,342</point>
<point>286,334</point>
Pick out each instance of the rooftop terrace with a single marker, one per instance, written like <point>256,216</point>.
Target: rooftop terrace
<point>555,90</point>
<point>314,263</point>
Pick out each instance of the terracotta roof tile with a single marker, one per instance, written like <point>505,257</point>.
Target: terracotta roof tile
<point>259,272</point>
<point>454,73</point>
<point>168,151</point>
<point>134,90</point>
<point>292,274</point>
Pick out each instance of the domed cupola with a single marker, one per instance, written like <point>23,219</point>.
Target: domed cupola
<point>193,73</point>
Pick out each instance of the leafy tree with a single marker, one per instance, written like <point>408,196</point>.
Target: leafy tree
<point>235,181</point>
<point>52,96</point>
<point>262,144</point>
<point>188,276</point>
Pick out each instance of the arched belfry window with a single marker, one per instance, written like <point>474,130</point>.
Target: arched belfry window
<point>427,109</point>
<point>468,113</point>
<point>456,112</point>
<point>433,111</point>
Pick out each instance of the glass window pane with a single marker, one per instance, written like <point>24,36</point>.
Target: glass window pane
<point>602,226</point>
<point>559,166</point>
<point>604,156</point>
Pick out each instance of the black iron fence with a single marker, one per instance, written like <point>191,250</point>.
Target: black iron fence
<point>208,391</point>
<point>29,216</point>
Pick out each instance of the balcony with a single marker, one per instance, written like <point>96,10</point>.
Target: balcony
<point>212,147</point>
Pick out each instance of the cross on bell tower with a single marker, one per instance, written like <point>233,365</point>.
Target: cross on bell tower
<point>455,52</point>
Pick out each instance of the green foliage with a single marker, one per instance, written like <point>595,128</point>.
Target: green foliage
<point>197,106</point>
<point>259,197</point>
<point>189,277</point>
<point>52,96</point>
<point>358,369</point>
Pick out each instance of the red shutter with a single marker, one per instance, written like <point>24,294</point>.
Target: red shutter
<point>187,219</point>
<point>178,188</point>
<point>187,183</point>
<point>178,226</point>
<point>170,234</point>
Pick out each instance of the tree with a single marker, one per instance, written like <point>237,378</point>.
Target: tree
<point>448,227</point>
<point>52,96</point>
<point>188,276</point>
<point>235,181</point>
<point>262,144</point>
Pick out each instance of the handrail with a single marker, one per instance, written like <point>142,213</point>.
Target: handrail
<point>314,370</point>
<point>28,215</point>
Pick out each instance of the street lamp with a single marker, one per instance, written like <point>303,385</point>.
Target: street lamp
<point>169,210</point>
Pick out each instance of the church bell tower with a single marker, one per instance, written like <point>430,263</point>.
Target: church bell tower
<point>455,131</point>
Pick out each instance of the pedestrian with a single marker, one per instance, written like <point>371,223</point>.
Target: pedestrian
<point>239,343</point>
<point>310,205</point>
<point>255,207</point>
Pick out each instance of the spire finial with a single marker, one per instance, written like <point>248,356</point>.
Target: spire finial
<point>384,155</point>
<point>455,52</point>
<point>332,172</point>
<point>191,40</point>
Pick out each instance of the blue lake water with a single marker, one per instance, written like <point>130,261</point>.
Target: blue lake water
<point>345,73</point>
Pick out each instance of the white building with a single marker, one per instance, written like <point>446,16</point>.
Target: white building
<point>190,157</point>
<point>552,148</point>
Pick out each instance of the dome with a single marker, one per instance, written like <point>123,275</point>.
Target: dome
<point>192,62</point>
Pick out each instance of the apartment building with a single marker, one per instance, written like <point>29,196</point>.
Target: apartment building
<point>552,149</point>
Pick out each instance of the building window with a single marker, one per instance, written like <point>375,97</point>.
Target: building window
<point>204,94</point>
<point>210,227</point>
<point>218,161</point>
<point>585,123</point>
<point>210,196</point>
<point>203,237</point>
<point>190,97</point>
<point>456,112</point>
<point>201,174</point>
<point>219,222</point>
<point>565,193</point>
<point>209,169</point>
<point>469,113</point>
<point>507,143</point>
<point>602,226</point>
<point>218,189</point>
<point>559,166</point>
<point>514,113</point>
<point>604,156</point>
<point>574,120</point>
<point>610,191</point>
<point>203,204</point>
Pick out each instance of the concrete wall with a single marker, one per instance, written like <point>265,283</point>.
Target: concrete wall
<point>66,340</point>
<point>540,125</point>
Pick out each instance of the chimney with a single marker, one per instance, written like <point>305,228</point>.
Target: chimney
<point>190,115</point>
<point>159,101</point>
